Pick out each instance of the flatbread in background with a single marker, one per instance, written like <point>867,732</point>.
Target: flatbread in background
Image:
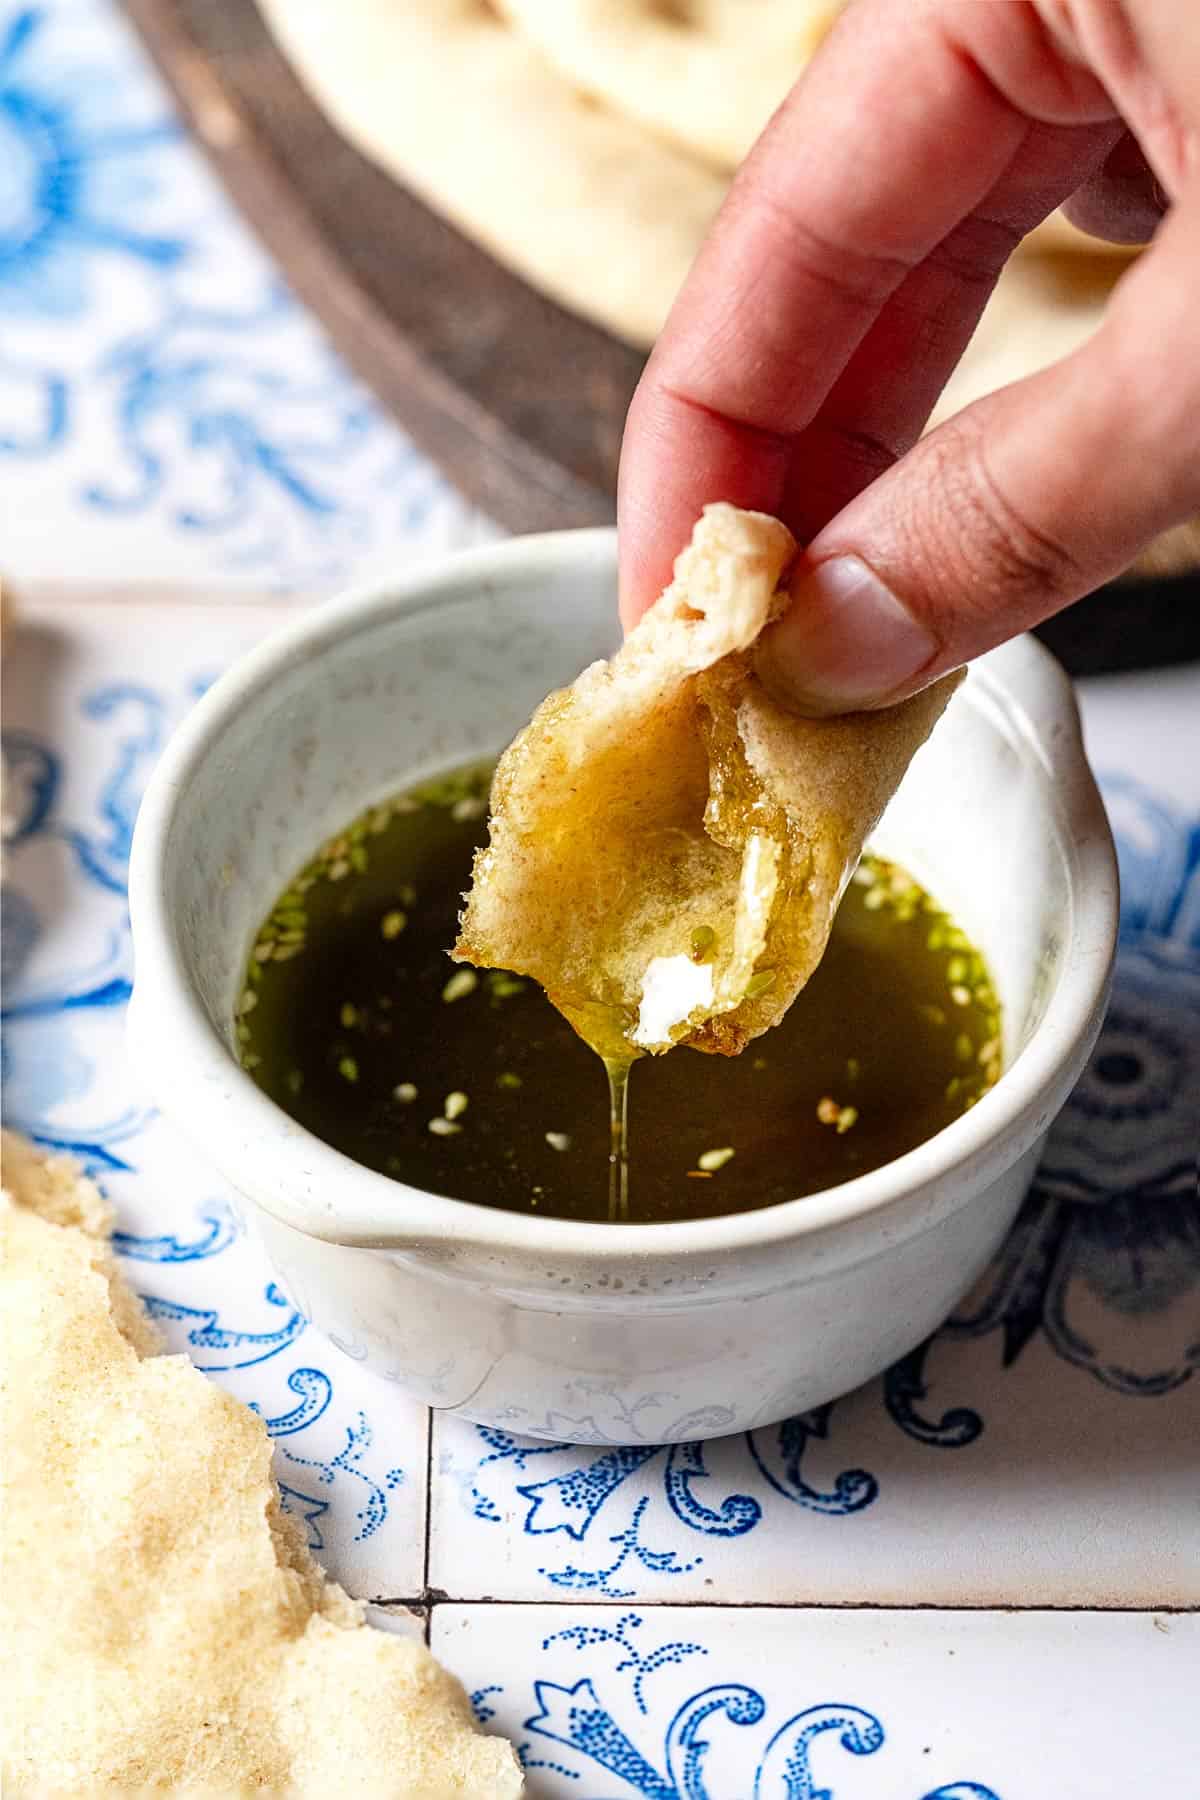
<point>668,846</point>
<point>704,74</point>
<point>580,200</point>
<point>586,144</point>
<point>1056,236</point>
<point>1043,308</point>
<point>166,1629</point>
<point>551,161</point>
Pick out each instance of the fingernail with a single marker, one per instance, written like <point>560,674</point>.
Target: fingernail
<point>844,643</point>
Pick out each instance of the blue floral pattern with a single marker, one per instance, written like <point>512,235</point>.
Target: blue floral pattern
<point>576,1728</point>
<point>159,387</point>
<point>1105,1256</point>
<point>76,175</point>
<point>578,1497</point>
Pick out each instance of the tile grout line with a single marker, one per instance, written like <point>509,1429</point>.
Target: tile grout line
<point>429,1598</point>
<point>428,1521</point>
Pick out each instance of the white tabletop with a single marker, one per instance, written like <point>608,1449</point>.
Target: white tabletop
<point>972,1577</point>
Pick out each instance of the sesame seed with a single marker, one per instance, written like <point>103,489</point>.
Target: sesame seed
<point>443,1127</point>
<point>761,983</point>
<point>348,1068</point>
<point>405,1092</point>
<point>460,984</point>
<point>709,1161</point>
<point>455,1104</point>
<point>558,1140</point>
<point>393,923</point>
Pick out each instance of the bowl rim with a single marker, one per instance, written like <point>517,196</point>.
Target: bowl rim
<point>180,1051</point>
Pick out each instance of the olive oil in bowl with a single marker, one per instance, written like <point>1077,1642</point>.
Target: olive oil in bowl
<point>470,1084</point>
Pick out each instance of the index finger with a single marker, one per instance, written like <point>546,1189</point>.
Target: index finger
<point>906,121</point>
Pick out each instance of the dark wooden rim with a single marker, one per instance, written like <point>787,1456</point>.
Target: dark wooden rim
<point>457,347</point>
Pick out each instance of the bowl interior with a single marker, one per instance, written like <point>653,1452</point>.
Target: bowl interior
<point>378,691</point>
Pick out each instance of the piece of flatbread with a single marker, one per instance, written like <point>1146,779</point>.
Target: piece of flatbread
<point>586,204</point>
<point>704,74</point>
<point>166,1629</point>
<point>667,845</point>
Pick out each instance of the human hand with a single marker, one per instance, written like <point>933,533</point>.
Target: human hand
<point>841,284</point>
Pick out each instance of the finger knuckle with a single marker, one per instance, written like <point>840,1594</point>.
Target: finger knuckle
<point>987,544</point>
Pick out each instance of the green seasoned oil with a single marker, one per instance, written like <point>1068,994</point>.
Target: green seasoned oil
<point>469,1083</point>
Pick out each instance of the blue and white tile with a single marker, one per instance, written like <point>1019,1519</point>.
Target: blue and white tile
<point>90,695</point>
<point>166,407</point>
<point>771,1704</point>
<point>1039,1449</point>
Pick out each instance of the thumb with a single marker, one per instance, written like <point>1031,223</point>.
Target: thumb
<point>1013,508</point>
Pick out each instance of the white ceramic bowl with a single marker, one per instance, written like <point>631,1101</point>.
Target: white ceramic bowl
<point>547,1326</point>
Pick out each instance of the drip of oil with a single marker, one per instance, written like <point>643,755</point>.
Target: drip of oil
<point>617,1069</point>
<point>605,1031</point>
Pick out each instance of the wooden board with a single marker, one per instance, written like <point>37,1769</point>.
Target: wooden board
<point>519,402</point>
